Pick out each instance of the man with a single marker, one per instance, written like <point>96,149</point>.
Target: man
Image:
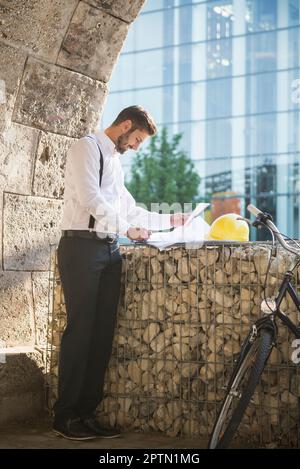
<point>97,208</point>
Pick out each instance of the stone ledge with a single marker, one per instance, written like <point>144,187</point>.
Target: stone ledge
<point>17,350</point>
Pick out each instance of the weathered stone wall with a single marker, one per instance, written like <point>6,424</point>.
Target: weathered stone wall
<point>56,60</point>
<point>182,318</point>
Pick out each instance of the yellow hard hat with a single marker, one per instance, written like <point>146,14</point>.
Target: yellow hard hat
<point>228,228</point>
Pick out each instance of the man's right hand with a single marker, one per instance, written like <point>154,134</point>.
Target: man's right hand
<point>138,234</point>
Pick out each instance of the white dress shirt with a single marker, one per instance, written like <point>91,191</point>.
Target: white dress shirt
<point>112,206</point>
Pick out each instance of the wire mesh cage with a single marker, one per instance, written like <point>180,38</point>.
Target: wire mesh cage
<point>183,315</point>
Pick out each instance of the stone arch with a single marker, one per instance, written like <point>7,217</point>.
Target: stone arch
<point>56,60</point>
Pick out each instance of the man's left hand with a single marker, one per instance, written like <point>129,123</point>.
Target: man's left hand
<point>179,219</point>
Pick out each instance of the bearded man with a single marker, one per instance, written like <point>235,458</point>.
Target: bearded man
<point>97,209</point>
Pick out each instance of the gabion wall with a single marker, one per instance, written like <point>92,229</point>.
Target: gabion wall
<point>182,317</point>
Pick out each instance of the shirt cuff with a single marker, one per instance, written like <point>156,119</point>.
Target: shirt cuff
<point>123,227</point>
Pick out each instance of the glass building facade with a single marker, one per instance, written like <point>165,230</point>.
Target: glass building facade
<point>225,74</point>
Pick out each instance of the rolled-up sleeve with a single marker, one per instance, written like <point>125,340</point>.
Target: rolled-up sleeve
<point>143,218</point>
<point>85,161</point>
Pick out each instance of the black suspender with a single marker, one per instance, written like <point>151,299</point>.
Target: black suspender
<point>92,219</point>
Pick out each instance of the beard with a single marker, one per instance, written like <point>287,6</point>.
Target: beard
<point>122,142</point>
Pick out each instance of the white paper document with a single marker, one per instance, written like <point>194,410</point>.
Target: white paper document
<point>199,209</point>
<point>193,231</point>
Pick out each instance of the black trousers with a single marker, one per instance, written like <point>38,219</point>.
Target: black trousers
<point>90,272</point>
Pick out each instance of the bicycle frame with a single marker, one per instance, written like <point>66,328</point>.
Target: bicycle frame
<point>287,287</point>
<point>268,321</point>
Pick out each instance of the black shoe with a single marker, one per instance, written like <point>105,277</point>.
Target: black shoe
<point>74,429</point>
<point>94,426</point>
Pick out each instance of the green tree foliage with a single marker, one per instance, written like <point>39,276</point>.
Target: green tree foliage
<point>163,173</point>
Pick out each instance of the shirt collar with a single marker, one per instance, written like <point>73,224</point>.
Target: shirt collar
<point>106,143</point>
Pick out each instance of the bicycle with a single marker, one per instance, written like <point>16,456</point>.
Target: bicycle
<point>257,346</point>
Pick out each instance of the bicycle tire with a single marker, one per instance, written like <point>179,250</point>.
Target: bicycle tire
<point>260,349</point>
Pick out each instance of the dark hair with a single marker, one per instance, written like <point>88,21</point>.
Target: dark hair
<point>140,119</point>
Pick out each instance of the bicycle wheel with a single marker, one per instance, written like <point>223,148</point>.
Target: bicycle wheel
<point>241,390</point>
